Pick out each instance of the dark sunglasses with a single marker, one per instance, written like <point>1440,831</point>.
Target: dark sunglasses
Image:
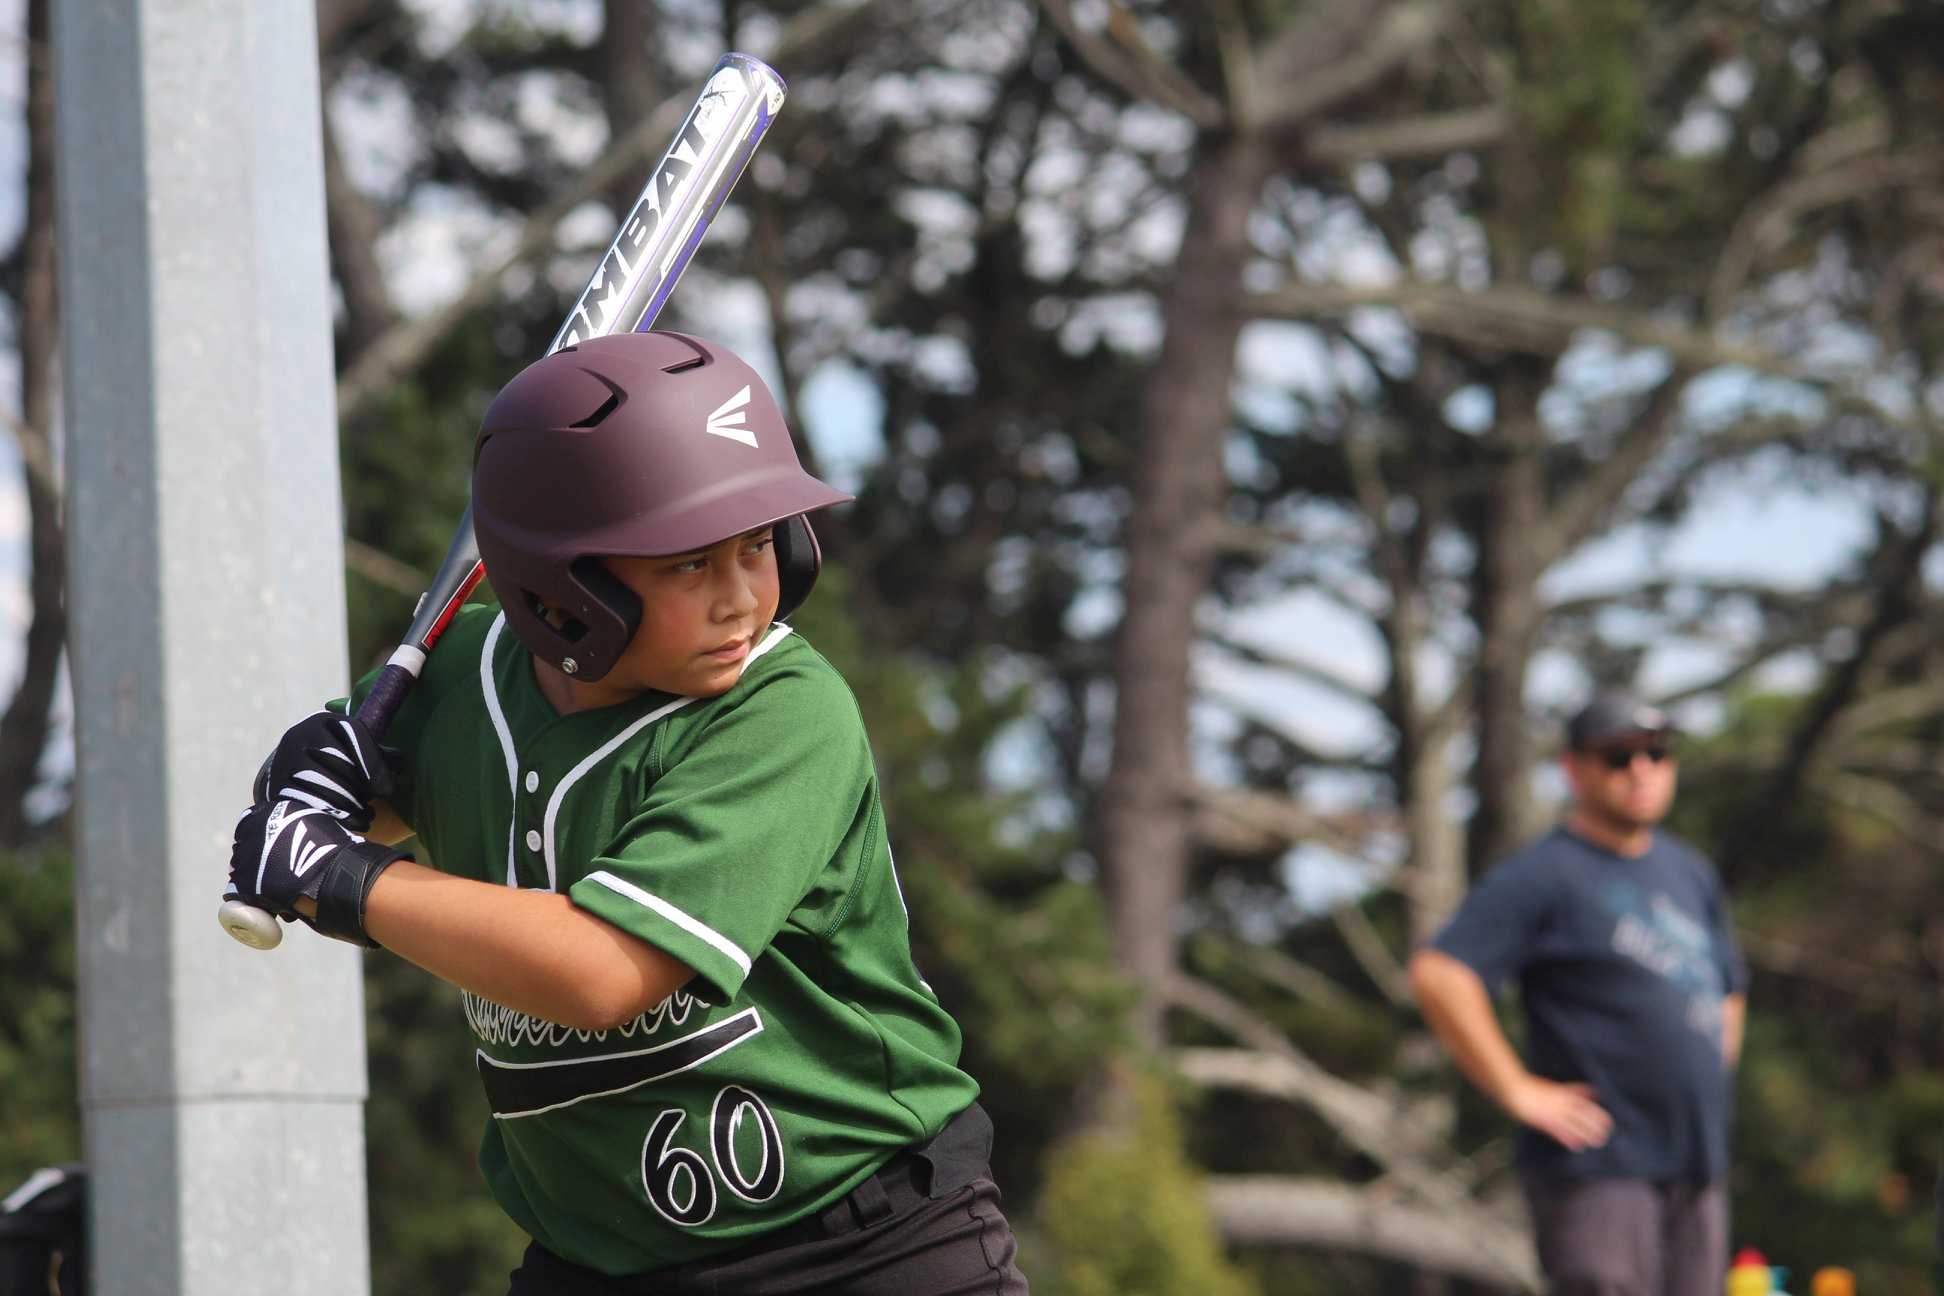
<point>1622,757</point>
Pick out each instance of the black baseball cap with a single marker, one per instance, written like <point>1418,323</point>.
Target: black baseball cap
<point>1612,716</point>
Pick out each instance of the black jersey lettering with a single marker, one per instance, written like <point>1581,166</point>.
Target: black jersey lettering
<point>516,1089</point>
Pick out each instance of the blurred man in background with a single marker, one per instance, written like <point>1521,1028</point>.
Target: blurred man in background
<point>1618,936</point>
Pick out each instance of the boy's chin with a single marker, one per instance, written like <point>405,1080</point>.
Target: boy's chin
<point>717,682</point>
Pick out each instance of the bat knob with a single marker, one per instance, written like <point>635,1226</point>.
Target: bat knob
<point>254,927</point>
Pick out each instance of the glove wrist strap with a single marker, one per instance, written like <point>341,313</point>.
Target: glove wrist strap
<point>347,882</point>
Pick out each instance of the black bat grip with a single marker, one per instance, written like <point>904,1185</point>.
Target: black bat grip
<point>388,693</point>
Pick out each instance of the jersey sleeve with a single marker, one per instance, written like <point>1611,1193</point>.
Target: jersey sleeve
<point>751,811</point>
<point>1495,929</point>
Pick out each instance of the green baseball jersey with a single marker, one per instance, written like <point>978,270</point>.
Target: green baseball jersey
<point>741,834</point>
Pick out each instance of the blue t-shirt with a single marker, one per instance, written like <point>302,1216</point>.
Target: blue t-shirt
<point>1622,965</point>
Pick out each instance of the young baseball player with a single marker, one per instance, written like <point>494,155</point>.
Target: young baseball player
<point>650,852</point>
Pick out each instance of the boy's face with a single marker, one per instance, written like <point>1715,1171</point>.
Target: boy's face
<point>701,615</point>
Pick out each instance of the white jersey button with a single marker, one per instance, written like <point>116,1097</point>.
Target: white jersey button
<point>532,840</point>
<point>533,781</point>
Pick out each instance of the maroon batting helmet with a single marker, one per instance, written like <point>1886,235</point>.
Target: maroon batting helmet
<point>631,445</point>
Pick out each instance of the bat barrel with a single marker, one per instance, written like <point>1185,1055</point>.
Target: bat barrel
<point>660,235</point>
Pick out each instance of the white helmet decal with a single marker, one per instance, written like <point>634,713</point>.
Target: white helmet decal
<point>728,419</point>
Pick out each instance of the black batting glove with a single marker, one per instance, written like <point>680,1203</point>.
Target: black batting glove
<point>286,851</point>
<point>327,762</point>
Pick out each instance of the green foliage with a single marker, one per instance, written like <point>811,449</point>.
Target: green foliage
<point>37,1033</point>
<point>406,468</point>
<point>434,1227</point>
<point>1340,1032</point>
<point>1814,1181</point>
<point>1582,84</point>
<point>1123,1215</point>
<point>1579,94</point>
<point>1719,797</point>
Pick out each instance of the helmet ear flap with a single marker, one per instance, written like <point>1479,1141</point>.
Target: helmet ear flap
<point>611,593</point>
<point>798,560</point>
<point>584,641</point>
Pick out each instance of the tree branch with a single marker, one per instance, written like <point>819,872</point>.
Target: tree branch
<point>1769,223</point>
<point>1373,497</point>
<point>1646,593</point>
<point>1232,46</point>
<point>1314,85</point>
<point>1432,135</point>
<point>1883,801</point>
<point>1127,62</point>
<point>1292,976</point>
<point>1866,980</point>
<point>383,570</point>
<point>1889,707</point>
<point>1256,541</point>
<point>1583,509</point>
<point>1372,955</point>
<point>1518,319</point>
<point>1310,672</point>
<point>1250,821</point>
<point>1899,578</point>
<point>1374,1125</point>
<point>1477,1245</point>
<point>1276,1068</point>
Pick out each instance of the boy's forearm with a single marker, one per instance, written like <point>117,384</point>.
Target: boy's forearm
<point>1459,1010</point>
<point>533,951</point>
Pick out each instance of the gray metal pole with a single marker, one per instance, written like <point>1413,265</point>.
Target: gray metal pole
<point>222,1089</point>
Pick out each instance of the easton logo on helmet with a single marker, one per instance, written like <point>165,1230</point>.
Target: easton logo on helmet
<point>728,420</point>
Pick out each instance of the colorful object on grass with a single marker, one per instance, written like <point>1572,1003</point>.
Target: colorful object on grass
<point>1832,1280</point>
<point>1752,1275</point>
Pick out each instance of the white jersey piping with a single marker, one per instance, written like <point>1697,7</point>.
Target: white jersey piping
<point>505,733</point>
<point>687,922</point>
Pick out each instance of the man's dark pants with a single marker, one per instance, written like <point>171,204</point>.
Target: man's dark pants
<point>1629,1237</point>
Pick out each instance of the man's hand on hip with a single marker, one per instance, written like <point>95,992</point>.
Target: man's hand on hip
<point>1569,1114</point>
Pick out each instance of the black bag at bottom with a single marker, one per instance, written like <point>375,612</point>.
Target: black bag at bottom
<point>43,1234</point>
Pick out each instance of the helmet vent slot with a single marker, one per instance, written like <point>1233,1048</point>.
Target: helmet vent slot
<point>608,407</point>
<point>699,359</point>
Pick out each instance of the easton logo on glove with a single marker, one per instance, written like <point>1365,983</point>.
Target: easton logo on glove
<point>303,850</point>
<point>286,852</point>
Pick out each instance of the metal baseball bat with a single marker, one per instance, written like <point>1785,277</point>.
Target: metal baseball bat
<point>630,286</point>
